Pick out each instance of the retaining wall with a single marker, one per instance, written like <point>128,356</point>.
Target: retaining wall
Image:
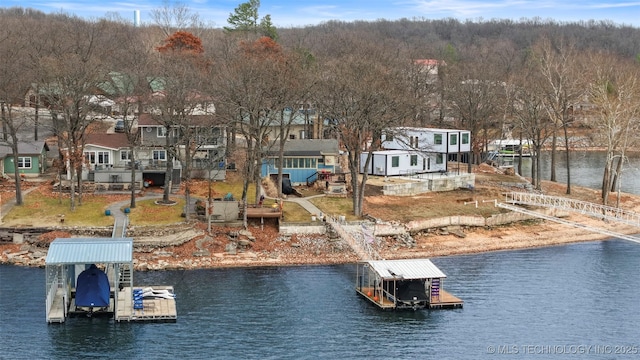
<point>392,229</point>
<point>440,183</point>
<point>302,228</point>
<point>495,220</point>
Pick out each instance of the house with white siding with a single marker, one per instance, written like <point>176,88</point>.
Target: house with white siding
<point>411,150</point>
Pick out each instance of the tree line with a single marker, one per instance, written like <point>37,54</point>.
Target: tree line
<point>535,80</point>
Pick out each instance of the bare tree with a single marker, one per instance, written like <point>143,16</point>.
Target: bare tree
<point>476,92</point>
<point>180,68</point>
<point>247,82</point>
<point>425,83</point>
<point>615,91</point>
<point>129,87</point>
<point>557,59</point>
<point>14,80</point>
<point>293,99</point>
<point>68,75</point>
<point>531,117</point>
<point>175,16</point>
<point>363,93</point>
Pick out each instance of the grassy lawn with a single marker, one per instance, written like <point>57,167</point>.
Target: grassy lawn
<point>233,185</point>
<point>293,212</point>
<point>334,206</point>
<point>45,209</point>
<point>147,212</point>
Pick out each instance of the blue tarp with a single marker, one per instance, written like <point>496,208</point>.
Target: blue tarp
<point>92,289</point>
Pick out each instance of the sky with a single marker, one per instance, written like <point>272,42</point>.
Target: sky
<point>296,13</point>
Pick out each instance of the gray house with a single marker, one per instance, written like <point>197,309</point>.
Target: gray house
<point>204,138</point>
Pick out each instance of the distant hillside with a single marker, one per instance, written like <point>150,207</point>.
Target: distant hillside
<point>433,36</point>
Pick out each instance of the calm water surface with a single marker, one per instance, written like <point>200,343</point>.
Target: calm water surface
<point>583,294</point>
<point>587,168</point>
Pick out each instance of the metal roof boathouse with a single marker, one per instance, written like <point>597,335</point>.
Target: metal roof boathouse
<point>404,284</point>
<point>94,277</point>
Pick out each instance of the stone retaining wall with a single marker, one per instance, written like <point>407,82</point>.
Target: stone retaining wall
<point>392,229</point>
<point>478,221</point>
<point>436,183</point>
<point>302,228</point>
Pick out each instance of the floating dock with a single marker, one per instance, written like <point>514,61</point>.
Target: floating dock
<point>404,284</point>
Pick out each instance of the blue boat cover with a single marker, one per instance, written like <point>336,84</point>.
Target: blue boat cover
<point>93,289</point>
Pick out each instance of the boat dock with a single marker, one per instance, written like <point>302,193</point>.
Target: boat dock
<point>404,284</point>
<point>444,301</point>
<point>93,277</point>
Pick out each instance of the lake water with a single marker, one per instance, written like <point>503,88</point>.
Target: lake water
<point>587,168</point>
<point>573,301</point>
<point>567,300</point>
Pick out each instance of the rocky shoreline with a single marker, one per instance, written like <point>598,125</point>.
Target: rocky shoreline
<point>192,248</point>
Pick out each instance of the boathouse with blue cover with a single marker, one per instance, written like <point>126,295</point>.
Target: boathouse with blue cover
<point>93,277</point>
<point>81,276</point>
<point>304,161</point>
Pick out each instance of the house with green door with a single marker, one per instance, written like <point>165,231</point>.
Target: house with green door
<point>31,162</point>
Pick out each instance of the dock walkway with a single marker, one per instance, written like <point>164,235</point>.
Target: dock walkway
<point>154,309</point>
<point>582,207</point>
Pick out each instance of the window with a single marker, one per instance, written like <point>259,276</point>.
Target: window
<point>413,140</point>
<point>464,140</point>
<point>159,155</point>
<point>292,137</point>
<point>162,131</point>
<point>102,157</point>
<point>453,139</point>
<point>90,157</point>
<point>97,157</point>
<point>414,160</point>
<point>24,163</point>
<point>395,161</point>
<point>437,139</point>
<point>125,155</point>
<point>388,136</point>
<point>439,159</point>
<point>297,163</point>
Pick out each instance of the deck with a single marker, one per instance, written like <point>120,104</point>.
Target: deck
<point>444,301</point>
<point>158,310</point>
<point>263,212</point>
<point>154,310</point>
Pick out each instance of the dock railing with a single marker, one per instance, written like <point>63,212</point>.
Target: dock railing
<point>582,207</point>
<point>590,209</point>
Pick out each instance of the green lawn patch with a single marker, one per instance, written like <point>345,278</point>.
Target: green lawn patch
<point>152,212</point>
<point>41,209</point>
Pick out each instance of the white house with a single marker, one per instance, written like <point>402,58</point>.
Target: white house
<point>444,141</point>
<point>402,162</point>
<point>409,150</point>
